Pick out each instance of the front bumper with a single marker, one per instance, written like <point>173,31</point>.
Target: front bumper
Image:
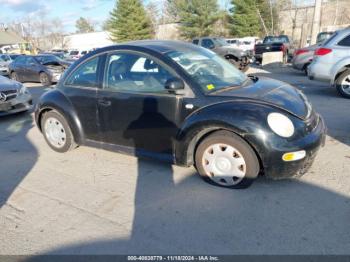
<point>23,102</point>
<point>275,167</point>
<point>4,71</point>
<point>55,77</point>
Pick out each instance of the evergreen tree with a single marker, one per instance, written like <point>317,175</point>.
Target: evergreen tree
<point>245,19</point>
<point>129,21</point>
<point>196,17</point>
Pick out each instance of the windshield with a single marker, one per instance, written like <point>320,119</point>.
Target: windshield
<point>48,59</point>
<point>275,39</point>
<point>323,36</point>
<point>220,41</point>
<point>209,70</point>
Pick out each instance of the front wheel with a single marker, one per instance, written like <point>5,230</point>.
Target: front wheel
<point>15,77</point>
<point>57,132</point>
<point>226,160</point>
<point>343,84</point>
<point>45,79</point>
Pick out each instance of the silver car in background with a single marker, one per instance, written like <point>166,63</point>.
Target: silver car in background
<point>14,97</point>
<point>5,60</point>
<point>331,62</point>
<point>303,57</point>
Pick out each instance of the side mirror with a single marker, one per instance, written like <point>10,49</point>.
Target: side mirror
<point>174,85</point>
<point>211,46</point>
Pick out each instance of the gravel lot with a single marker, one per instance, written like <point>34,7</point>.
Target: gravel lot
<point>90,201</point>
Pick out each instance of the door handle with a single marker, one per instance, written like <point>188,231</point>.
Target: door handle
<point>104,102</point>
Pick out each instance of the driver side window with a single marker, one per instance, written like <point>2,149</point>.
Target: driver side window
<point>135,73</point>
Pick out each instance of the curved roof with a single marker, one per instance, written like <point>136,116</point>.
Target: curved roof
<point>159,46</point>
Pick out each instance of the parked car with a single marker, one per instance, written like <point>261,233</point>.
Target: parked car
<point>234,42</point>
<point>220,46</point>
<point>332,62</point>
<point>46,69</point>
<point>302,57</point>
<point>14,97</point>
<point>5,60</point>
<point>76,54</point>
<point>185,104</point>
<point>281,43</point>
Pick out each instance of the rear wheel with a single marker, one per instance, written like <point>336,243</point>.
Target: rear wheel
<point>57,132</point>
<point>343,83</point>
<point>306,68</point>
<point>226,160</point>
<point>44,79</point>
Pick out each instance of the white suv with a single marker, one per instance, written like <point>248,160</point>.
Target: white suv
<point>332,62</point>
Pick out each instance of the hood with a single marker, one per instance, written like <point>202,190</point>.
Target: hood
<point>274,92</point>
<point>8,84</point>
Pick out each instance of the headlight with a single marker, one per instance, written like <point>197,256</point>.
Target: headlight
<point>23,90</point>
<point>280,124</point>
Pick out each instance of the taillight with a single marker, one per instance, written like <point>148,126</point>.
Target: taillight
<point>322,51</point>
<point>282,48</point>
<point>300,51</point>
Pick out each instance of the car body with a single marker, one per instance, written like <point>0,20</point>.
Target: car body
<point>42,68</point>
<point>302,57</point>
<point>248,43</point>
<point>234,42</point>
<point>76,54</point>
<point>281,43</point>
<point>14,97</point>
<point>5,60</point>
<point>332,62</point>
<point>172,100</point>
<point>236,56</point>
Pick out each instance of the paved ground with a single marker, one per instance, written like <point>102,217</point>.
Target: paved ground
<point>92,201</point>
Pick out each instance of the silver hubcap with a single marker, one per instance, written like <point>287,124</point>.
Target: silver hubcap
<point>55,132</point>
<point>345,84</point>
<point>224,164</point>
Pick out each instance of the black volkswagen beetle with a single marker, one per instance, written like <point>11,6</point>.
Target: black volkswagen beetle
<point>181,102</point>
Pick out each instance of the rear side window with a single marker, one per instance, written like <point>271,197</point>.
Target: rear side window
<point>195,42</point>
<point>85,75</point>
<point>345,41</point>
<point>330,39</point>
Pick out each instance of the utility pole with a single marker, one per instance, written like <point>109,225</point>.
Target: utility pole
<point>316,21</point>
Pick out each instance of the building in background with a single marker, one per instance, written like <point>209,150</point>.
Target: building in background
<point>297,22</point>
<point>86,41</point>
<point>13,43</point>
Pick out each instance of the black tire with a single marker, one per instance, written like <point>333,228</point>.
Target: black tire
<point>45,79</point>
<point>69,142</point>
<point>235,62</point>
<point>229,138</point>
<point>14,76</point>
<point>305,68</point>
<point>285,58</point>
<point>338,83</point>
